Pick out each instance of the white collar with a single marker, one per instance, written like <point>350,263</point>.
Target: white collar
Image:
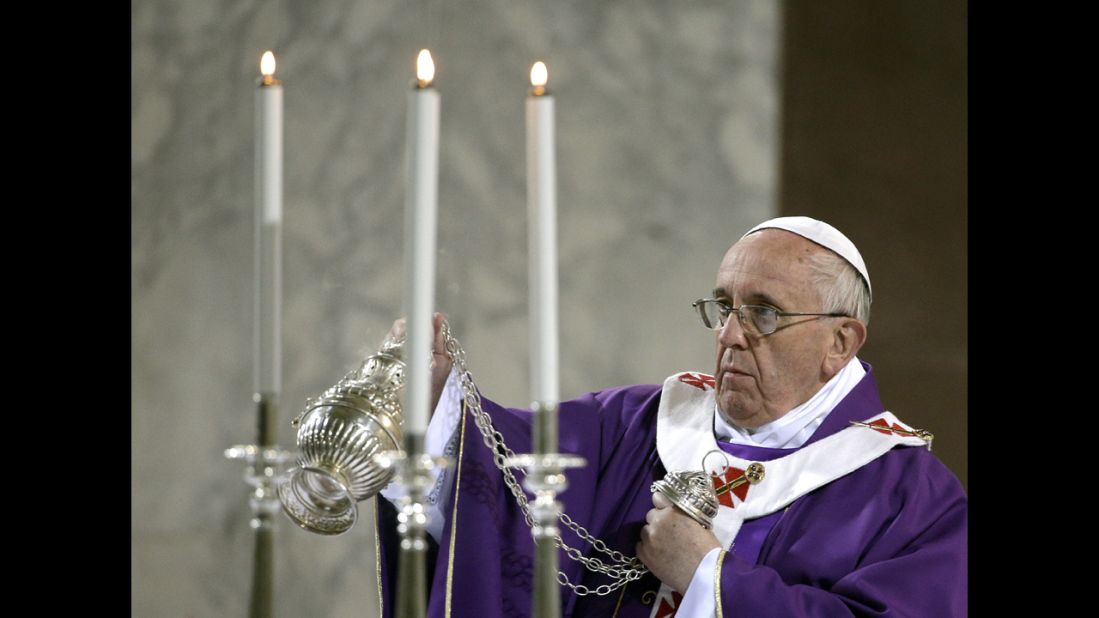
<point>794,428</point>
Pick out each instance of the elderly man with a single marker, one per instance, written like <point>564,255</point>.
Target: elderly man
<point>828,504</point>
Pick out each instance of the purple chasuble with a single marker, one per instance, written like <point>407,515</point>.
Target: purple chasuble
<point>888,539</point>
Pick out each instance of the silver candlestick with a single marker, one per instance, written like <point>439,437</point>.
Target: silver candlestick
<point>545,478</point>
<point>412,472</point>
<point>264,471</point>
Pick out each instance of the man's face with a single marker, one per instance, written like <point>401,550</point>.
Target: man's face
<point>759,379</point>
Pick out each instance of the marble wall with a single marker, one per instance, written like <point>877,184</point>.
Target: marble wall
<point>667,151</point>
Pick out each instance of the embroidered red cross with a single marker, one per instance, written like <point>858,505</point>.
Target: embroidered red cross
<point>698,380</point>
<point>668,609</point>
<point>722,484</point>
<point>882,426</point>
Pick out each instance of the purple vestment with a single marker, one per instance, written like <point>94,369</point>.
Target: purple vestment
<point>888,539</point>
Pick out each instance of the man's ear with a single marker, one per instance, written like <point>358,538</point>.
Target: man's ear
<point>847,337</point>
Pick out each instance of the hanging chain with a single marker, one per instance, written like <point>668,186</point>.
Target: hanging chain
<point>622,570</point>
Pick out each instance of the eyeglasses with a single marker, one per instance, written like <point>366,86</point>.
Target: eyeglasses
<point>756,320</point>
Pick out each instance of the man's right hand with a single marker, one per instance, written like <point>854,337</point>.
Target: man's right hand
<point>672,544</point>
<point>440,360</point>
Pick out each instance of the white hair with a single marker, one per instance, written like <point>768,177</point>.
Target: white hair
<point>841,288</point>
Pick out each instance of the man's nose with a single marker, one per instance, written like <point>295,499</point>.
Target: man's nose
<point>732,333</point>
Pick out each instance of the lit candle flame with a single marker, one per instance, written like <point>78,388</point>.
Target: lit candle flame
<point>538,74</point>
<point>425,68</point>
<point>267,64</point>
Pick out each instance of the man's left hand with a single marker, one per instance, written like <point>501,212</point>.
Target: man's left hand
<point>672,544</point>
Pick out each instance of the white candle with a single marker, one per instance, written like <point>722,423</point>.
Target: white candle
<point>268,230</point>
<point>421,197</point>
<point>542,229</point>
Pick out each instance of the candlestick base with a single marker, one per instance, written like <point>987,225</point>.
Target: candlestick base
<point>264,472</point>
<point>545,478</point>
<point>413,475</point>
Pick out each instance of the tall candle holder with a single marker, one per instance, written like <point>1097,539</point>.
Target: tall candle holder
<point>413,472</point>
<point>264,471</point>
<point>545,478</point>
<point>265,459</point>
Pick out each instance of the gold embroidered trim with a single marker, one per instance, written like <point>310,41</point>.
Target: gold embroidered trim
<point>717,582</point>
<point>619,603</point>
<point>454,514</point>
<point>378,557</point>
